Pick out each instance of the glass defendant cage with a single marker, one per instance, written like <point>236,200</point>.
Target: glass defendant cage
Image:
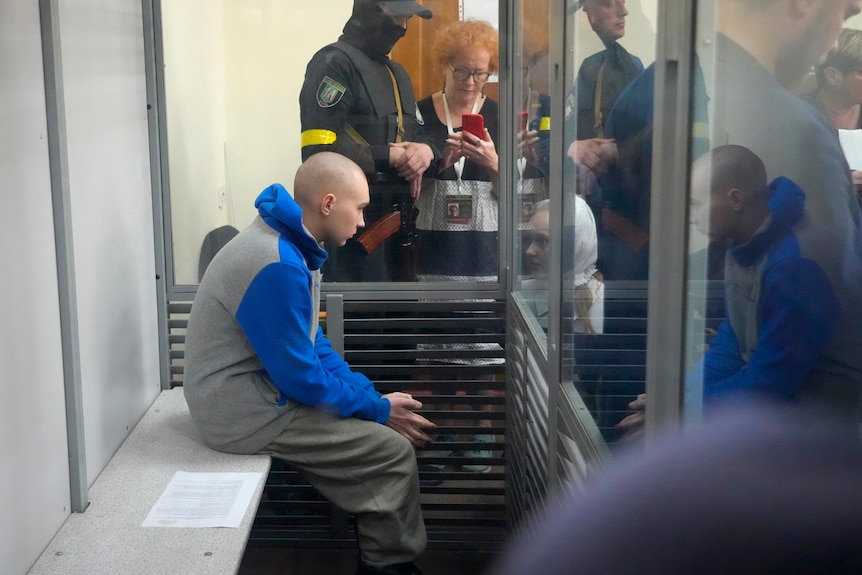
<point>603,290</point>
<point>570,370</point>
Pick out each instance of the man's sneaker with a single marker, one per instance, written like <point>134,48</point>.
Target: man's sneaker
<point>474,453</point>
<point>424,479</point>
<point>431,452</point>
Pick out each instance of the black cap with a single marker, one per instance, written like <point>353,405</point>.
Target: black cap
<point>407,8</point>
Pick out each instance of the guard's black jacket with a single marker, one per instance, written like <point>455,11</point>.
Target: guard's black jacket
<point>344,88</point>
<point>348,105</point>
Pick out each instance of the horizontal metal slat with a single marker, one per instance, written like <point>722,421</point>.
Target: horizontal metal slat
<point>351,339</point>
<point>177,307</point>
<point>422,354</point>
<point>391,325</point>
<point>352,307</point>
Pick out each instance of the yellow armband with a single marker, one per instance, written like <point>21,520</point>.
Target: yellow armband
<point>317,137</point>
<point>700,130</point>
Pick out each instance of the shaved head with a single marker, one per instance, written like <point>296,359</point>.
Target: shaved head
<point>729,194</point>
<point>326,172</point>
<point>736,167</point>
<point>332,191</point>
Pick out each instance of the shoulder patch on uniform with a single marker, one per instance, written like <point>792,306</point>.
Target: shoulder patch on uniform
<point>419,119</point>
<point>329,93</point>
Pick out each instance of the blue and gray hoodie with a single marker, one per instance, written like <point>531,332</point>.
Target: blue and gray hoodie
<point>254,349</point>
<point>780,336</point>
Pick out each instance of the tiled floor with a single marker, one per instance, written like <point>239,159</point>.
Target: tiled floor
<point>279,561</point>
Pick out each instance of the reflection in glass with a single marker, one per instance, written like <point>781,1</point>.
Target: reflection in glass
<point>532,124</point>
<point>839,97</point>
<point>537,246</point>
<point>605,209</point>
<point>593,165</point>
<point>793,267</point>
<point>583,281</point>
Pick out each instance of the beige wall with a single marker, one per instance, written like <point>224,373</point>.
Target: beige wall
<point>194,47</point>
<point>102,264</point>
<point>268,45</point>
<point>233,71</point>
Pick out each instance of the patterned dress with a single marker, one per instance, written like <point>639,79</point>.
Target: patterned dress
<point>457,224</point>
<point>456,228</point>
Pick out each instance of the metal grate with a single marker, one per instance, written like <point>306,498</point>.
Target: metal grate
<point>178,319</point>
<point>527,439</point>
<point>609,369</point>
<point>601,374</point>
<point>450,354</point>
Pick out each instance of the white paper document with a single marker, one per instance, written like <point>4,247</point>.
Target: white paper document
<point>204,500</point>
<point>851,144</point>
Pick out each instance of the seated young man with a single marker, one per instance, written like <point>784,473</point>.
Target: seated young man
<point>260,376</point>
<point>779,339</point>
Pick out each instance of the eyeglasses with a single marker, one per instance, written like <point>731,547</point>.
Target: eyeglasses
<point>461,74</point>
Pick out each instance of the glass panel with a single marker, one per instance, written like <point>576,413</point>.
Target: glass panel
<point>606,187</point>
<point>532,122</point>
<point>454,64</point>
<point>232,78</point>
<point>774,191</point>
<point>245,102</point>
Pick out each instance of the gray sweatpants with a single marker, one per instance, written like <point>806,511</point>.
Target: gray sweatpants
<point>366,469</point>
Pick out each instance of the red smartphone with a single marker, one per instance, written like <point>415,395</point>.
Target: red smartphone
<point>475,124</point>
<point>522,121</point>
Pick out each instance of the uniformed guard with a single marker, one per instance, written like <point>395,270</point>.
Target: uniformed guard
<point>359,103</point>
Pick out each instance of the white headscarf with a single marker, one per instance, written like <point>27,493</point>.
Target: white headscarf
<point>586,242</point>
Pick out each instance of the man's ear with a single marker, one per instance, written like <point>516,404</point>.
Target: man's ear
<point>831,75</point>
<point>327,203</point>
<point>736,198</point>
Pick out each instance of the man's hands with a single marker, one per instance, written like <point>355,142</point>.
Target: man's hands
<point>632,424</point>
<point>528,143</point>
<point>403,419</point>
<point>595,154</point>
<point>410,160</point>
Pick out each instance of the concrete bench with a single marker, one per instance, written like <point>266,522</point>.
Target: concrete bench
<point>108,538</point>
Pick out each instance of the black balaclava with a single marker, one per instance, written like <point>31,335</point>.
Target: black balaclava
<point>370,30</point>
